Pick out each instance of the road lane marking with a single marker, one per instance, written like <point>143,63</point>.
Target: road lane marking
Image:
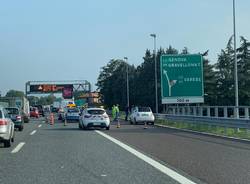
<point>164,169</point>
<point>39,126</point>
<point>18,147</point>
<point>33,132</point>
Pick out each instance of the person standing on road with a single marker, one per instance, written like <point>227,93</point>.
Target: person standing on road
<point>113,112</point>
<point>127,113</point>
<point>117,111</point>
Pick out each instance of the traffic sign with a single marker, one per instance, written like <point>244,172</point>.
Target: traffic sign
<point>182,79</point>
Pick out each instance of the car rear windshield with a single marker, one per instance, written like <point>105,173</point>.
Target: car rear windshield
<point>96,111</point>
<point>12,110</point>
<point>73,110</point>
<point>144,109</point>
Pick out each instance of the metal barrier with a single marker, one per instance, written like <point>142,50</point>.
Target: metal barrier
<point>211,115</point>
<point>223,122</point>
<point>209,111</point>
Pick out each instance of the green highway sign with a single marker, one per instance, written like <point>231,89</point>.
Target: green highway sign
<point>182,79</point>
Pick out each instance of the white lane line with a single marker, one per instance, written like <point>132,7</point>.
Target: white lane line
<point>171,173</point>
<point>39,126</point>
<point>33,132</point>
<point>18,147</point>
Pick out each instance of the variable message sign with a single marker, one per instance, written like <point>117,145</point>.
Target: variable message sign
<point>182,79</point>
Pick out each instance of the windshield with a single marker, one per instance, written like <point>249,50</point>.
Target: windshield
<point>144,109</point>
<point>96,111</point>
<point>12,110</point>
<point>73,110</point>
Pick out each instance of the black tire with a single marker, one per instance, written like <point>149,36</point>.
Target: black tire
<point>107,128</point>
<point>7,143</point>
<point>131,122</point>
<point>153,123</point>
<point>80,126</point>
<point>12,139</point>
<point>20,128</point>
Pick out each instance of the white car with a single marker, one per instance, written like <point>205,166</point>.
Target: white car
<point>94,117</point>
<point>142,115</point>
<point>7,128</point>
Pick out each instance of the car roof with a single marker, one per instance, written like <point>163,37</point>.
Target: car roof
<point>95,108</point>
<point>11,108</point>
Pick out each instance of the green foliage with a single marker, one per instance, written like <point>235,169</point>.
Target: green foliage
<point>209,82</point>
<point>112,83</point>
<point>225,75</point>
<point>44,100</point>
<point>14,93</point>
<point>218,78</point>
<point>33,100</point>
<point>243,57</point>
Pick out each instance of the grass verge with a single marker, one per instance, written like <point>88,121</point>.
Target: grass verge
<point>203,127</point>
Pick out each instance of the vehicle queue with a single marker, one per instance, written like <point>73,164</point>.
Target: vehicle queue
<point>11,118</point>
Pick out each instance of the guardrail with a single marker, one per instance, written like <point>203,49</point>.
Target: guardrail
<point>213,121</point>
<point>209,111</point>
<point>223,116</point>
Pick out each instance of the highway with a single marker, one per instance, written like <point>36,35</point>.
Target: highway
<point>45,153</point>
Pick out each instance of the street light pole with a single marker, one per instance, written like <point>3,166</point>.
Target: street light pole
<point>235,67</point>
<point>156,92</point>
<point>127,81</point>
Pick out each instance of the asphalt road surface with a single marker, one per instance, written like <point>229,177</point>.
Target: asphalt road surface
<point>45,153</point>
<point>64,154</point>
<point>211,159</point>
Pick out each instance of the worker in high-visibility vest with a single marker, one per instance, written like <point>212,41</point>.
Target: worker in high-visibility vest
<point>117,111</point>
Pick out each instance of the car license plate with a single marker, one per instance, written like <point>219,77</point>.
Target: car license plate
<point>144,114</point>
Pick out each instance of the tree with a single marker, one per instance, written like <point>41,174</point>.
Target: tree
<point>14,93</point>
<point>225,76</point>
<point>243,57</point>
<point>33,100</point>
<point>112,83</point>
<point>209,82</point>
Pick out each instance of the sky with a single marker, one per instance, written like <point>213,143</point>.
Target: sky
<point>72,39</point>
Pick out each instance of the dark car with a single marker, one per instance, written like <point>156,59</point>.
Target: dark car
<point>16,117</point>
<point>40,109</point>
<point>54,109</point>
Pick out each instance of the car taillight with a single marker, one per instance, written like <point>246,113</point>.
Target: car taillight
<point>105,116</point>
<point>3,122</point>
<point>18,117</point>
<point>87,116</point>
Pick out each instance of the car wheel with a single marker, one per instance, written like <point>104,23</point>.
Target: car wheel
<point>7,143</point>
<point>131,122</point>
<point>107,128</point>
<point>152,123</point>
<point>20,128</point>
<point>80,126</point>
<point>12,139</point>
